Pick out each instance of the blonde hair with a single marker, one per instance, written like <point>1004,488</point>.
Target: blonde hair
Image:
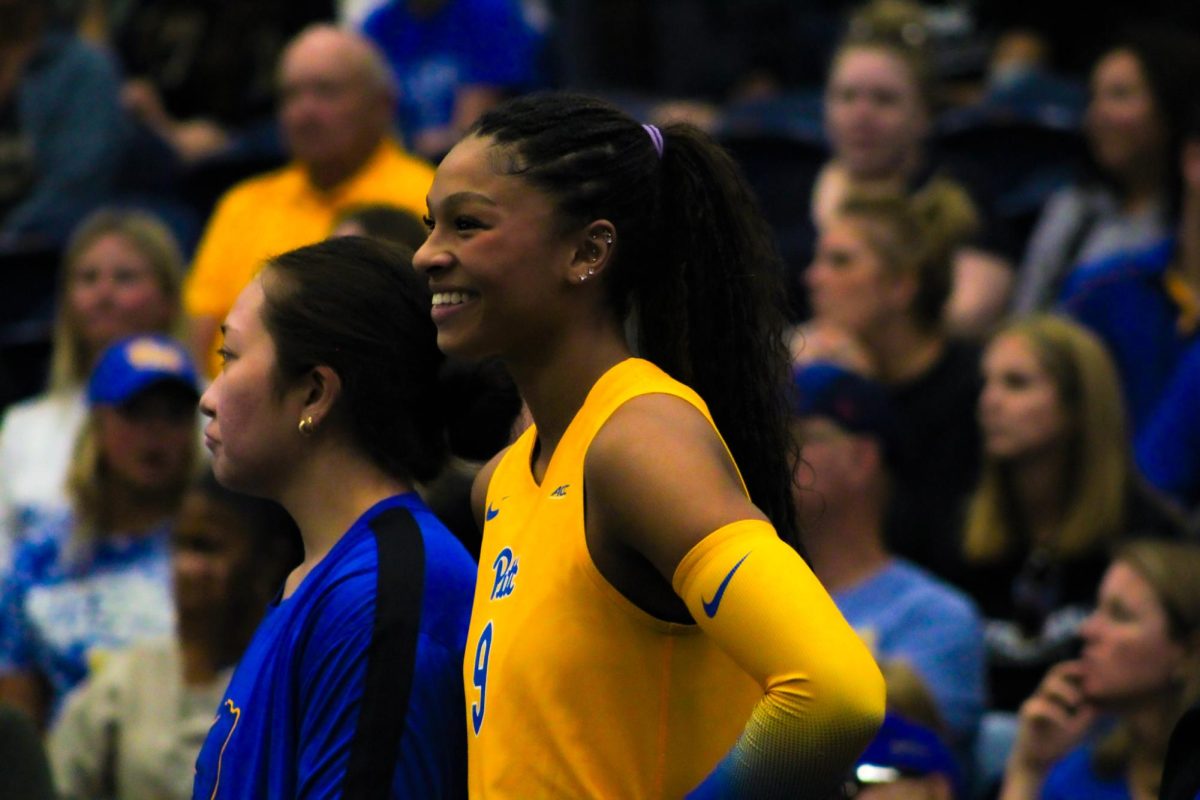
<point>1098,459</point>
<point>899,28</point>
<point>917,235</point>
<point>70,359</point>
<point>909,696</point>
<point>1173,571</point>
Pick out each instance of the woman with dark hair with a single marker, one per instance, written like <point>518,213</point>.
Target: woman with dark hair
<point>1141,96</point>
<point>328,404</point>
<point>643,624</point>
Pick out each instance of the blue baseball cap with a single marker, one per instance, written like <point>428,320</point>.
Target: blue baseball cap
<point>904,748</point>
<point>854,403</point>
<point>132,365</point>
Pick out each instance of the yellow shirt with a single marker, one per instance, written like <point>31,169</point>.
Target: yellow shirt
<point>573,691</point>
<point>280,211</point>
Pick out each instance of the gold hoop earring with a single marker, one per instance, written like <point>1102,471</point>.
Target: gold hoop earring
<point>307,427</point>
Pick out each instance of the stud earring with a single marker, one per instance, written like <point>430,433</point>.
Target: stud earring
<point>307,427</point>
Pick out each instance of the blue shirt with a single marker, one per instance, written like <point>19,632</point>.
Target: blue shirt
<point>1124,302</point>
<point>464,43</point>
<point>1073,778</point>
<point>905,613</point>
<point>294,711</point>
<point>68,600</point>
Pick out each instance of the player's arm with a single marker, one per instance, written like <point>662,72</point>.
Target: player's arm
<point>664,486</point>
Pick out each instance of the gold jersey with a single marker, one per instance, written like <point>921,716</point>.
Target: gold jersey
<point>572,691</point>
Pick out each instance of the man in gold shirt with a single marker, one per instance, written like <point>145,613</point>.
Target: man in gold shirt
<point>336,102</point>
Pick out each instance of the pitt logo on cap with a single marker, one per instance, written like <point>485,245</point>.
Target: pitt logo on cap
<point>149,354</point>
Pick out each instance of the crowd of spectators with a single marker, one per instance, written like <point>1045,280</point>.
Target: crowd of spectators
<point>996,392</point>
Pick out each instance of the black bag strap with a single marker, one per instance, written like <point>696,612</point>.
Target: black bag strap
<point>392,657</point>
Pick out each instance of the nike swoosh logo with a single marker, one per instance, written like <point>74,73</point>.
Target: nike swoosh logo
<point>710,606</point>
<point>490,513</point>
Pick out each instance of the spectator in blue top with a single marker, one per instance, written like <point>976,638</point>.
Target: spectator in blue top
<point>62,131</point>
<point>1098,726</point>
<point>97,578</point>
<point>328,403</point>
<point>453,60</point>
<point>904,613</point>
<point>1141,94</point>
<point>1145,305</point>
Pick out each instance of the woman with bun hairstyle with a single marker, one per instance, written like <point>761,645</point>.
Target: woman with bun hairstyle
<point>882,274</point>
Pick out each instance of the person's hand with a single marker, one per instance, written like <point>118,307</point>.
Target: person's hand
<point>1052,721</point>
<point>198,139</point>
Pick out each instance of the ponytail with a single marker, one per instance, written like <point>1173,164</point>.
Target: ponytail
<point>711,314</point>
<point>695,269</point>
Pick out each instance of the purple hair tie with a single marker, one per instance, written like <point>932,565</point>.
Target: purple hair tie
<point>656,137</point>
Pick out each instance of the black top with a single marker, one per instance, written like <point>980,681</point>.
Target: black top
<point>1034,605</point>
<point>938,459</point>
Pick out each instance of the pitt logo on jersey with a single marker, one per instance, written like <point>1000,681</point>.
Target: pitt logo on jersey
<point>505,566</point>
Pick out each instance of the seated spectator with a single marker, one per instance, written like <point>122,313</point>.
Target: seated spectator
<point>61,128</point>
<point>909,757</point>
<point>878,106</point>
<point>134,729</point>
<point>382,221</point>
<point>848,434</point>
<point>1097,726</point>
<point>336,111</point>
<point>882,272</point>
<point>96,578</point>
<point>1058,490</point>
<point>1141,95</point>
<point>121,275</point>
<point>1145,305</point>
<point>452,60</point>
